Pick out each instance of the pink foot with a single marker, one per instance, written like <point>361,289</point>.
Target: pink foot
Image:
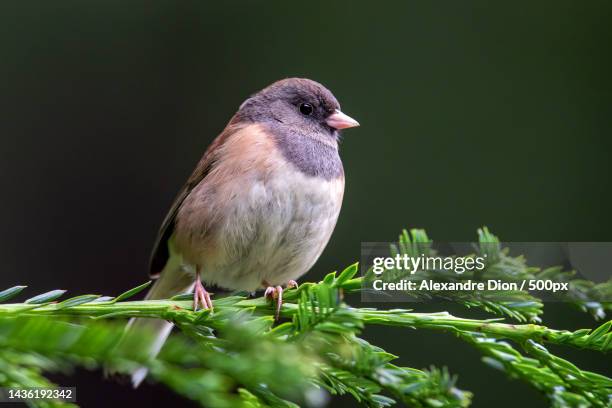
<point>200,296</point>
<point>275,293</point>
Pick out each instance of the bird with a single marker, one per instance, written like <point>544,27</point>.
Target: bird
<point>260,206</point>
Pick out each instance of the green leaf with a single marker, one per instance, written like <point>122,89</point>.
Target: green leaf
<point>347,274</point>
<point>183,296</point>
<point>329,278</point>
<point>75,301</point>
<point>11,292</point>
<point>46,297</point>
<point>600,331</point>
<point>128,294</point>
<point>103,299</point>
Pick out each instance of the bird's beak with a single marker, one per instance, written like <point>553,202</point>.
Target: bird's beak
<point>339,120</point>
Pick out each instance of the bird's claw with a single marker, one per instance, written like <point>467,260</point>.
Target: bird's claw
<point>201,297</point>
<point>275,293</point>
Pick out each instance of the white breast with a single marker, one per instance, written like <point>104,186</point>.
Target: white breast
<point>275,230</point>
<point>257,219</point>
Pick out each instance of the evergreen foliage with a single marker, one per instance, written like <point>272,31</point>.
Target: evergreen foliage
<point>239,357</point>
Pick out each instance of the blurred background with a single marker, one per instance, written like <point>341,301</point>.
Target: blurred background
<point>473,113</point>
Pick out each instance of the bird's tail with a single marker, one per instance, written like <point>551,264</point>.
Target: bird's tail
<point>172,281</point>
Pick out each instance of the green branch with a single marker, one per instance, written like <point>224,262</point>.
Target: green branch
<point>599,339</point>
<point>239,357</point>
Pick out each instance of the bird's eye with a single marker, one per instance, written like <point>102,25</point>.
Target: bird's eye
<point>306,109</point>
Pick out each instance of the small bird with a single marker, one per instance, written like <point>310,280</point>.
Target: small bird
<point>261,204</point>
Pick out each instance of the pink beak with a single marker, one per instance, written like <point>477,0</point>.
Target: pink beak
<point>339,120</point>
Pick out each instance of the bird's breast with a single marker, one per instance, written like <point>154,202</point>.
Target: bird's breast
<point>277,228</point>
<point>258,217</point>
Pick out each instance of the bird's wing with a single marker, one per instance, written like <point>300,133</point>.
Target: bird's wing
<point>161,253</point>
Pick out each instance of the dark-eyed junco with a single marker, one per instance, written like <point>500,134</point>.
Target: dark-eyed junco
<point>261,204</point>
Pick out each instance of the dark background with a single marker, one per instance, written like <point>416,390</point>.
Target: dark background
<point>472,114</point>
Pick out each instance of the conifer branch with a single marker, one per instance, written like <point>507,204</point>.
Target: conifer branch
<point>238,357</point>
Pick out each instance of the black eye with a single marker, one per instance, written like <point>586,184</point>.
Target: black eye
<point>306,108</point>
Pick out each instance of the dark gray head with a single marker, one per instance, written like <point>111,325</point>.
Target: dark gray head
<point>298,105</point>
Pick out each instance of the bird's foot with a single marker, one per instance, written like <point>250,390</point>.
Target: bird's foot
<point>275,293</point>
<point>201,297</point>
